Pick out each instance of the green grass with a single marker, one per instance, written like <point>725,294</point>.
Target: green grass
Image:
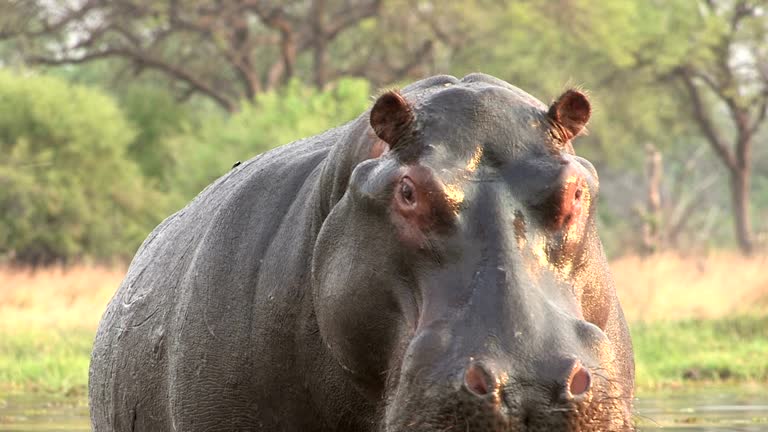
<point>53,360</point>
<point>668,354</point>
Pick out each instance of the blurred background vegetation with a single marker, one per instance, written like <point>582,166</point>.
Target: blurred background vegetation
<point>115,114</point>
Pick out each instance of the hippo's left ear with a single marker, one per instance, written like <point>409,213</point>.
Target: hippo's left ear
<point>571,113</point>
<point>391,118</point>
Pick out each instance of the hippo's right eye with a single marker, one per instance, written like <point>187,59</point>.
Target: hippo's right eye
<point>407,191</point>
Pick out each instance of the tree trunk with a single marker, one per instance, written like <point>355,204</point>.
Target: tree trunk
<point>320,60</point>
<point>652,224</point>
<point>320,48</point>
<point>289,57</point>
<point>740,197</point>
<point>737,160</point>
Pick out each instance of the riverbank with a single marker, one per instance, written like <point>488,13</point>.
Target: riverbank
<point>693,320</point>
<point>668,355</point>
<point>673,354</point>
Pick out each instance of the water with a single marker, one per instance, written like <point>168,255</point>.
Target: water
<point>743,409</point>
<point>41,412</point>
<point>705,409</point>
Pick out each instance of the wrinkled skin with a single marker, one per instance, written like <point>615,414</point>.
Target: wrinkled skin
<point>431,266</point>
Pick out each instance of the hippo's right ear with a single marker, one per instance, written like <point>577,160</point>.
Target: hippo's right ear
<point>391,118</point>
<point>570,112</point>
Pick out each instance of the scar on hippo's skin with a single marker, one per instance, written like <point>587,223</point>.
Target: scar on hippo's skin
<point>519,225</point>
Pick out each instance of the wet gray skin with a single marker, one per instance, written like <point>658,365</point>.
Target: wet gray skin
<point>430,266</point>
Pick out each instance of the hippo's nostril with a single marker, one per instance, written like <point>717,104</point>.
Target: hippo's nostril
<point>478,380</point>
<point>579,381</point>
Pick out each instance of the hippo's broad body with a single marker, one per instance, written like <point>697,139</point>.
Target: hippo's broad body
<point>430,266</point>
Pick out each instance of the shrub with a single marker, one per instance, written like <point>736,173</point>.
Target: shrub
<point>67,189</point>
<point>206,151</point>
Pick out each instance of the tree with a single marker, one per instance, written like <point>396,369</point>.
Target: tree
<point>203,153</point>
<point>706,59</point>
<point>67,189</point>
<point>681,74</point>
<point>732,72</point>
<point>229,52</point>
<point>226,51</point>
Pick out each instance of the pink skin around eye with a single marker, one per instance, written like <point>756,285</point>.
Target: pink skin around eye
<point>573,199</point>
<point>419,205</point>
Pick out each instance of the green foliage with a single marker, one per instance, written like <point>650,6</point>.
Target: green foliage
<point>734,348</point>
<point>76,170</point>
<point>616,51</point>
<point>52,360</point>
<point>626,54</point>
<point>67,189</point>
<point>156,117</point>
<point>206,151</point>
<point>667,354</point>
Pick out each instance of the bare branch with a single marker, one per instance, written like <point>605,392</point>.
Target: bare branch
<point>705,122</point>
<point>258,42</point>
<point>145,60</point>
<point>687,205</point>
<point>741,10</point>
<point>738,114</point>
<point>349,17</point>
<point>278,19</point>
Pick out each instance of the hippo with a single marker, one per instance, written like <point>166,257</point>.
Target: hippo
<point>432,265</point>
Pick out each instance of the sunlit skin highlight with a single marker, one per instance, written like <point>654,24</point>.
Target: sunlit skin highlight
<point>454,193</point>
<point>475,161</point>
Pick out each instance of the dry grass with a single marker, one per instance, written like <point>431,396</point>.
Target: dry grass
<point>665,286</point>
<point>669,286</point>
<point>72,297</point>
<point>48,318</point>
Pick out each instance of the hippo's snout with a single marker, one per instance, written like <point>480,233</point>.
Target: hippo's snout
<point>496,401</point>
<point>579,381</point>
<point>478,380</point>
<point>543,387</point>
<point>485,404</point>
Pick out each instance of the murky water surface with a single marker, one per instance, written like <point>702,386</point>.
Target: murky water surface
<point>691,410</point>
<point>705,409</point>
<point>43,412</point>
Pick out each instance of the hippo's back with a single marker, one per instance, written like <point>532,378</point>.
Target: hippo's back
<point>182,342</point>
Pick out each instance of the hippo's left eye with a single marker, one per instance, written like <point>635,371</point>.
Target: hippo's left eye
<point>407,191</point>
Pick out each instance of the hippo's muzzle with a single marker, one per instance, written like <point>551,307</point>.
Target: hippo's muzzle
<point>500,390</point>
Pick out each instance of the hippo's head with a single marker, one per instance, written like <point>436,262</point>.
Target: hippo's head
<point>460,280</point>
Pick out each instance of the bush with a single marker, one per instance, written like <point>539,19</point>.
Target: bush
<point>67,188</point>
<point>206,151</point>
<point>156,116</point>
